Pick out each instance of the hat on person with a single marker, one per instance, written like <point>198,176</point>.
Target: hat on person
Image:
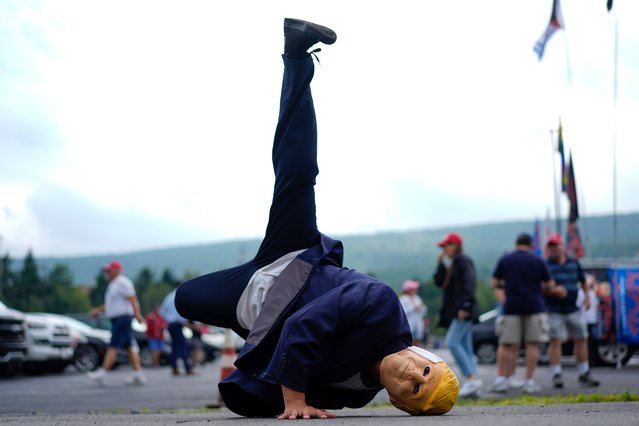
<point>113,265</point>
<point>410,285</point>
<point>524,240</point>
<point>554,239</point>
<point>452,238</point>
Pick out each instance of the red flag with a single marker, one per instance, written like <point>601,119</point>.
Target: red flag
<point>574,247</point>
<point>556,23</point>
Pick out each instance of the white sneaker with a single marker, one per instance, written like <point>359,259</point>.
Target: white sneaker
<point>515,383</point>
<point>531,387</point>
<point>471,388</point>
<point>136,379</point>
<point>498,386</point>
<point>97,376</point>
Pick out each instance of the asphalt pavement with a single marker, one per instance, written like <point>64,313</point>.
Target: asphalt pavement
<point>71,398</point>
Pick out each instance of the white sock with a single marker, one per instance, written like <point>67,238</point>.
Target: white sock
<point>101,372</point>
<point>138,373</point>
<point>499,380</point>
<point>555,369</point>
<point>583,367</point>
<point>530,381</point>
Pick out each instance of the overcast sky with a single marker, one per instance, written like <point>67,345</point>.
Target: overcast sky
<point>128,125</point>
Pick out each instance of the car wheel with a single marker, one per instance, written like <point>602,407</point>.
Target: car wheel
<point>608,353</point>
<point>86,359</point>
<point>486,353</point>
<point>146,358</point>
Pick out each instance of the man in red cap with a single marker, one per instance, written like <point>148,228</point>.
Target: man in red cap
<point>459,308</point>
<point>120,306</point>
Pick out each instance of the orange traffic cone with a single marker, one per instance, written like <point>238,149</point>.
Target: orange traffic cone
<point>228,358</point>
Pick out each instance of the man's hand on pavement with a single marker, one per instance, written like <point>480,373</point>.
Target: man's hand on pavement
<point>295,407</point>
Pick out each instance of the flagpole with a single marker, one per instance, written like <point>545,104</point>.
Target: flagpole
<point>614,147</point>
<point>554,181</point>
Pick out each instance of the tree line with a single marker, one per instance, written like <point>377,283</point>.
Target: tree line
<point>36,288</point>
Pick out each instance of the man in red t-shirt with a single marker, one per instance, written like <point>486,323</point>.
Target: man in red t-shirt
<point>155,326</point>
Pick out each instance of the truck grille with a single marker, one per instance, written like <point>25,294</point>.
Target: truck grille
<point>11,330</point>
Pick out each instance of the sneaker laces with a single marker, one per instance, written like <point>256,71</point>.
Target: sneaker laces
<point>313,54</point>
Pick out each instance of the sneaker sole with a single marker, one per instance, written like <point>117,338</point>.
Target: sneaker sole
<point>323,34</point>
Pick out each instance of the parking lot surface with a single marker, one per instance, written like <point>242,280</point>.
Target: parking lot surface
<point>71,398</point>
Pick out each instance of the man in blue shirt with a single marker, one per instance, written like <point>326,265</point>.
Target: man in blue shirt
<point>318,335</point>
<point>520,280</point>
<point>566,318</point>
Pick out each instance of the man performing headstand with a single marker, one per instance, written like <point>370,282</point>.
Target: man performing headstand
<point>318,336</point>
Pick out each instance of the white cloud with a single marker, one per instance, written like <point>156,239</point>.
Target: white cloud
<point>165,112</point>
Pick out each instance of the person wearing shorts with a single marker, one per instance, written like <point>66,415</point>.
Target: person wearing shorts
<point>566,318</point>
<point>520,279</point>
<point>120,306</point>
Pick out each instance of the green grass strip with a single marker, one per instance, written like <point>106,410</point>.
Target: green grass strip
<point>558,399</point>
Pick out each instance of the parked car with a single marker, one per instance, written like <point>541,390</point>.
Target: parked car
<point>88,354</point>
<point>13,340</point>
<point>102,324</point>
<point>485,344</point>
<point>212,339</point>
<point>51,344</point>
<point>485,341</point>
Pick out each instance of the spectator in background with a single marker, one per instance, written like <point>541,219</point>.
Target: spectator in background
<point>459,308</point>
<point>179,345</point>
<point>591,315</point>
<point>120,306</point>
<point>519,280</point>
<point>197,352</point>
<point>155,326</point>
<point>566,318</point>
<point>414,308</point>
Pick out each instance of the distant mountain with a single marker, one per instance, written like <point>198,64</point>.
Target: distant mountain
<point>390,256</point>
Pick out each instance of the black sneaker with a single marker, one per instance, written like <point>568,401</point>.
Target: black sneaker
<point>557,381</point>
<point>300,35</point>
<point>586,380</point>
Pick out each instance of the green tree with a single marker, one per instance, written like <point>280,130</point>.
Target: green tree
<point>143,281</point>
<point>8,289</point>
<point>168,277</point>
<point>154,294</point>
<point>64,296</point>
<point>32,293</point>
<point>97,293</point>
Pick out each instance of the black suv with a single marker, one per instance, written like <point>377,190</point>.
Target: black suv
<point>13,339</point>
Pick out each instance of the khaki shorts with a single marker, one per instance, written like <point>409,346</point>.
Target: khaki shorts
<point>571,325</point>
<point>532,328</point>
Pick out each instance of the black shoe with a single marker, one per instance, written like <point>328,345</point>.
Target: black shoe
<point>557,381</point>
<point>300,35</point>
<point>586,380</point>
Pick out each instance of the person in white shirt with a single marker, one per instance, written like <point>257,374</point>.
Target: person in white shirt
<point>590,313</point>
<point>179,345</point>
<point>414,308</point>
<point>120,306</point>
